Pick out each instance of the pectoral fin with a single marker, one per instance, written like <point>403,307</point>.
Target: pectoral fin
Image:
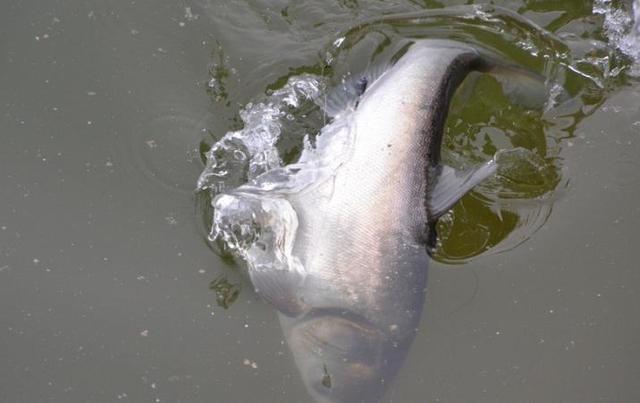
<point>279,288</point>
<point>452,184</point>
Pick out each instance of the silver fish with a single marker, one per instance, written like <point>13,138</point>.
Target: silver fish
<point>355,219</point>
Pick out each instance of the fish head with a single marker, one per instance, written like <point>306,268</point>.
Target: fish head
<point>341,356</point>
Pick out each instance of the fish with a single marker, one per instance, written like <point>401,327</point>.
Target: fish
<point>351,225</point>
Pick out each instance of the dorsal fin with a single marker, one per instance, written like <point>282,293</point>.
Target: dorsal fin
<point>345,96</point>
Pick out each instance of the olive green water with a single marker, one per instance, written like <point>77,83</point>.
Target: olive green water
<point>105,272</point>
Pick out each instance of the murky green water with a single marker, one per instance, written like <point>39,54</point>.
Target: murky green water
<point>105,273</point>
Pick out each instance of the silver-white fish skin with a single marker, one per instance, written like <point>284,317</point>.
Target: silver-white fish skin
<point>361,233</point>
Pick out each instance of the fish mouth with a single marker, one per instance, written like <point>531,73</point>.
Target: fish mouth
<point>341,355</point>
<point>339,331</point>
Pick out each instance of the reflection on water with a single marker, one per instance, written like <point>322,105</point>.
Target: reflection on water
<point>487,121</point>
<point>164,149</point>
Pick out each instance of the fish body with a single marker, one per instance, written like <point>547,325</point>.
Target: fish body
<point>355,218</point>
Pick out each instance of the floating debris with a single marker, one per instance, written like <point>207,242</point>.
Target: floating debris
<point>326,378</point>
<point>250,363</point>
<point>226,292</point>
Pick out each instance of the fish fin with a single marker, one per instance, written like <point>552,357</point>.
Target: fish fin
<point>465,92</point>
<point>279,288</point>
<point>338,100</point>
<point>346,95</point>
<point>521,86</point>
<point>452,184</point>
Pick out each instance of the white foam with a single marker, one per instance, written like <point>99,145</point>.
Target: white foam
<point>243,155</point>
<point>622,28</point>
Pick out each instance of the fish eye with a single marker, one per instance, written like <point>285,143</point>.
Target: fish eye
<point>361,85</point>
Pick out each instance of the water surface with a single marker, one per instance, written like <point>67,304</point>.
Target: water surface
<point>104,264</point>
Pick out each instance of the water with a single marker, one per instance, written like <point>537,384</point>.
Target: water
<point>622,28</point>
<point>105,264</point>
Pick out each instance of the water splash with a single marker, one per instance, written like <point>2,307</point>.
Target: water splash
<point>258,229</point>
<point>249,172</point>
<point>243,155</point>
<point>622,28</point>
<point>247,181</point>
